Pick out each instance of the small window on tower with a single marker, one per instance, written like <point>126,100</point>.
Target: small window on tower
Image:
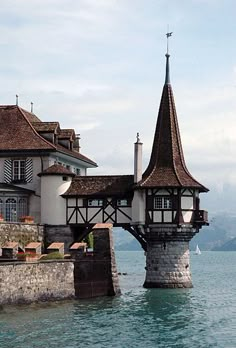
<point>162,203</point>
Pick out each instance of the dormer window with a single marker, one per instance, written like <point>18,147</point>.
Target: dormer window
<point>162,203</point>
<point>19,170</point>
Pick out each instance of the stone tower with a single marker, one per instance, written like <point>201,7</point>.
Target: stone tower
<point>171,201</point>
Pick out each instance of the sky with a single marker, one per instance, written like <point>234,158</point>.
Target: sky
<point>98,66</point>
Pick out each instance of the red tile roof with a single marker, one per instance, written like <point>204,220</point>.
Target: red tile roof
<point>67,134</point>
<point>55,245</point>
<point>46,126</point>
<point>17,133</point>
<point>114,185</point>
<point>56,169</point>
<point>167,166</point>
<point>20,131</point>
<point>33,245</point>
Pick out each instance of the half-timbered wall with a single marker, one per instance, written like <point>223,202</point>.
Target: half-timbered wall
<point>98,210</point>
<point>170,205</point>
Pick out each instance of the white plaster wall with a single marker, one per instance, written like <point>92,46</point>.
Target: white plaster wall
<point>92,212</point>
<point>167,216</point>
<point>187,216</point>
<point>187,192</point>
<point>121,218</point>
<point>156,216</point>
<point>2,169</point>
<point>186,202</point>
<point>138,207</point>
<point>34,208</point>
<point>66,160</point>
<point>53,206</point>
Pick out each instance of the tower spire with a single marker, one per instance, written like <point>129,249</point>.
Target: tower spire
<point>167,79</point>
<point>167,165</point>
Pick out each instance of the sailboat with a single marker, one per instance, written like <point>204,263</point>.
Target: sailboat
<point>197,251</point>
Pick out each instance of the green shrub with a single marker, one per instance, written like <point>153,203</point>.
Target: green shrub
<point>89,240</point>
<point>53,256</point>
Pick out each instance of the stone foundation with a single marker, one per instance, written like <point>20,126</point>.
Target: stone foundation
<point>96,273</point>
<point>168,257</point>
<point>26,282</point>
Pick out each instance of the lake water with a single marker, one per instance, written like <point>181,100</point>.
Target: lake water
<point>204,316</point>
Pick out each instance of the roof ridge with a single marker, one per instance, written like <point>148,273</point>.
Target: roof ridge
<point>38,135</point>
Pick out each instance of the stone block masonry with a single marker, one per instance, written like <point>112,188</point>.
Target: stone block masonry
<point>58,233</point>
<point>96,274</point>
<point>21,233</point>
<point>22,282</point>
<point>168,258</point>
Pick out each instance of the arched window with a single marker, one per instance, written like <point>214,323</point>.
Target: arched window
<point>11,212</point>
<point>22,207</point>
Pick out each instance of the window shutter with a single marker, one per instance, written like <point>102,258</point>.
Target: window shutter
<point>8,171</point>
<point>29,169</point>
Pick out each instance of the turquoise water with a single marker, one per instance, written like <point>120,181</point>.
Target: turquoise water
<point>204,316</point>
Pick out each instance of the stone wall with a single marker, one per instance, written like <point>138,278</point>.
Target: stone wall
<point>25,282</point>
<point>96,274</point>
<point>168,258</point>
<point>21,233</point>
<point>58,233</point>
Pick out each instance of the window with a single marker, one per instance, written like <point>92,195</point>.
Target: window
<point>13,208</point>
<point>68,166</point>
<point>95,202</point>
<point>11,214</point>
<point>162,203</point>
<point>19,170</point>
<point>22,207</point>
<point>122,202</point>
<point>77,171</point>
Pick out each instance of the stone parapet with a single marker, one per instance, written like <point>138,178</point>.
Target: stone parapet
<point>36,281</point>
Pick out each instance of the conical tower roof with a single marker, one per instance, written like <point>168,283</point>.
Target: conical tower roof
<point>167,166</point>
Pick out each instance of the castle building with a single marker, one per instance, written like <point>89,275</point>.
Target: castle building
<point>43,174</point>
<point>28,146</point>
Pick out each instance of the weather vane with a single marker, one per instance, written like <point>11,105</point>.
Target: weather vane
<point>168,34</point>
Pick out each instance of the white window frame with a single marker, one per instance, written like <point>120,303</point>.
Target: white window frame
<point>161,203</point>
<point>122,202</point>
<point>19,170</point>
<point>95,202</point>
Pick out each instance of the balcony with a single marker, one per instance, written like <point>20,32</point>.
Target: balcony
<point>201,217</point>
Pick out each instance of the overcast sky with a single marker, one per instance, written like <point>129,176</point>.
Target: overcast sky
<point>98,66</point>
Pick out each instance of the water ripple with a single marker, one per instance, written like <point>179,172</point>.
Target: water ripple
<point>202,317</point>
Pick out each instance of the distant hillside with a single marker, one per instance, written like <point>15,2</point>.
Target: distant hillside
<point>220,235</point>
<point>132,245</point>
<point>228,246</point>
<point>222,229</point>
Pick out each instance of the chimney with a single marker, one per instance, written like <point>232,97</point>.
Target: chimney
<point>137,160</point>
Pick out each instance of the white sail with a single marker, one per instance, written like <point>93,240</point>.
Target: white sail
<point>197,251</point>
